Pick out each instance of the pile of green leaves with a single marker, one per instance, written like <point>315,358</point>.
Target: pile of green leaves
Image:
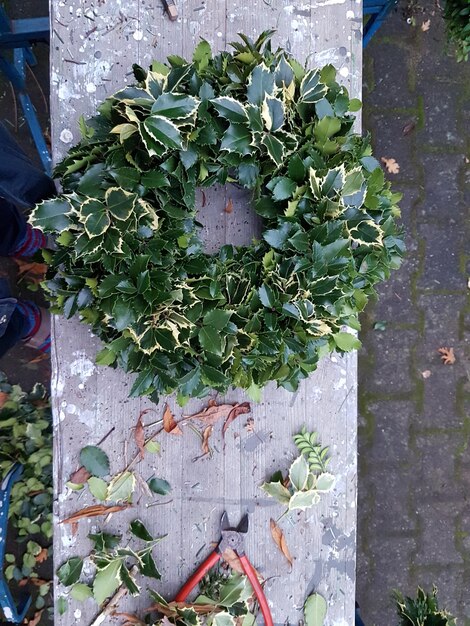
<point>457,17</point>
<point>26,437</point>
<point>422,610</point>
<point>307,478</point>
<point>130,259</point>
<point>113,566</point>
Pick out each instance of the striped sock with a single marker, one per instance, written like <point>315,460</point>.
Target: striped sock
<point>32,315</point>
<point>32,241</point>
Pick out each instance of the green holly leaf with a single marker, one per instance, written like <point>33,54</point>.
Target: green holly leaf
<point>237,138</point>
<point>296,169</point>
<point>104,541</point>
<point>164,131</point>
<point>120,203</point>
<point>230,109</point>
<point>275,148</point>
<point>311,89</point>
<point>267,296</point>
<point>298,473</point>
<point>97,222</point>
<point>62,605</point>
<point>138,529</point>
<point>202,55</point>
<point>346,341</point>
<point>121,487</point>
<point>94,460</point>
<point>324,482</point>
<point>70,571</point>
<point>147,566</point>
<point>211,340</point>
<point>260,83</point>
<point>129,581</point>
<point>277,491</point>
<point>284,188</point>
<point>52,216</point>
<point>175,106</point>
<point>272,112</point>
<point>326,128</point>
<point>217,318</point>
<point>248,174</point>
<point>160,486</point>
<point>304,500</point>
<point>107,580</point>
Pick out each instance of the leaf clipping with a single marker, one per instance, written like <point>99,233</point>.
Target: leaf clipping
<point>94,510</point>
<point>169,423</point>
<point>447,355</point>
<point>139,436</point>
<point>280,541</point>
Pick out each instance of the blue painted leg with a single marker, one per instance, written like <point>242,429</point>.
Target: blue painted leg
<point>11,611</point>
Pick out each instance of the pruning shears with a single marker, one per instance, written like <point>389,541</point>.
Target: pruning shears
<point>230,538</point>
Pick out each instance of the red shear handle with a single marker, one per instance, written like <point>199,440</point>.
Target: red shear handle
<point>253,578</point>
<point>198,575</point>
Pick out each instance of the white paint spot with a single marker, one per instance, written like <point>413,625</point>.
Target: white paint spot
<point>81,386</point>
<point>294,24</point>
<point>344,72</point>
<point>66,136</point>
<point>86,417</point>
<point>138,35</point>
<point>77,614</point>
<point>349,15</point>
<point>219,34</point>
<point>72,409</point>
<point>327,3</point>
<point>289,9</point>
<point>61,416</point>
<point>82,366</point>
<point>91,88</point>
<point>63,404</point>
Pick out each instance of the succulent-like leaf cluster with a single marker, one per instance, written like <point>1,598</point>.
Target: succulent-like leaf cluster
<point>130,260</point>
<point>457,17</point>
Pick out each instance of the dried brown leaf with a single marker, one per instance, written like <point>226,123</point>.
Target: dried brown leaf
<point>205,439</point>
<point>94,510</point>
<point>41,357</point>
<point>3,398</point>
<point>203,199</point>
<point>238,409</point>
<point>447,355</point>
<point>37,582</point>
<point>229,206</point>
<point>129,617</point>
<point>426,25</point>
<point>280,541</point>
<point>42,556</point>
<point>34,621</point>
<point>139,436</point>
<point>391,165</point>
<point>28,267</point>
<point>212,413</point>
<point>80,476</point>
<point>169,423</point>
<point>409,127</point>
<point>230,557</point>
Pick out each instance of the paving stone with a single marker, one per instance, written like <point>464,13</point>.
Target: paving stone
<point>441,185</point>
<point>443,246</point>
<point>391,434</point>
<point>436,544</point>
<point>387,75</point>
<point>441,119</point>
<point>435,479</point>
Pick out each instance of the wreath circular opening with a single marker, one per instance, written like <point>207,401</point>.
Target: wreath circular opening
<point>130,260</point>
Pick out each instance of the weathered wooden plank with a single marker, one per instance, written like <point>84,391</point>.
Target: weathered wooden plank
<point>93,46</point>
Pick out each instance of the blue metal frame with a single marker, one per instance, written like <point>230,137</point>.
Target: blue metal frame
<point>19,35</point>
<point>11,612</point>
<point>378,11</point>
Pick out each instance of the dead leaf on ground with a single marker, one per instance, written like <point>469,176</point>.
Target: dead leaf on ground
<point>27,267</point>
<point>391,165</point>
<point>229,206</point>
<point>139,436</point>
<point>212,413</point>
<point>238,409</point>
<point>42,556</point>
<point>80,476</point>
<point>169,423</point>
<point>38,359</point>
<point>280,541</point>
<point>94,510</point>
<point>203,199</point>
<point>425,25</point>
<point>36,619</point>
<point>205,439</point>
<point>3,398</point>
<point>409,127</point>
<point>129,617</point>
<point>447,355</point>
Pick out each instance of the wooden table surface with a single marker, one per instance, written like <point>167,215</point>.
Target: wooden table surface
<point>93,46</point>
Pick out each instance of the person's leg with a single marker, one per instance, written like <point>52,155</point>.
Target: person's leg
<point>29,323</point>
<point>21,182</point>
<point>17,238</point>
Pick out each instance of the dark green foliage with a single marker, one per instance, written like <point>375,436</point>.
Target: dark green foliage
<point>422,610</point>
<point>130,260</point>
<point>457,16</point>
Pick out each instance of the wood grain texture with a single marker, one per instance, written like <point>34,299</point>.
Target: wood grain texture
<point>94,43</point>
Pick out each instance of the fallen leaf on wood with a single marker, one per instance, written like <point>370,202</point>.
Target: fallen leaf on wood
<point>391,165</point>
<point>80,476</point>
<point>238,409</point>
<point>205,439</point>
<point>447,355</point>
<point>425,25</point>
<point>169,423</point>
<point>42,556</point>
<point>280,541</point>
<point>94,511</point>
<point>203,199</point>
<point>129,617</point>
<point>36,619</point>
<point>409,127</point>
<point>139,436</point>
<point>426,374</point>
<point>212,413</point>
<point>229,206</point>
<point>230,557</point>
<point>3,398</point>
